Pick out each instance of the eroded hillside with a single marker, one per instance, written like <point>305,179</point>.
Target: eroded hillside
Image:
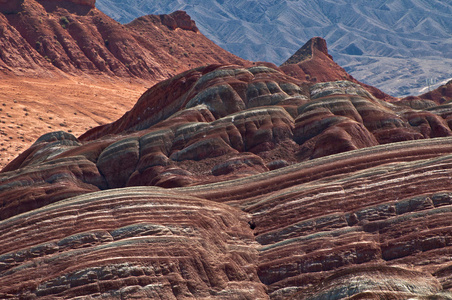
<point>225,181</point>
<point>232,182</point>
<point>64,65</point>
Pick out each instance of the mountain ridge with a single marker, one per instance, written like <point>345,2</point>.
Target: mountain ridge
<point>62,60</point>
<point>399,43</point>
<point>225,181</point>
<point>237,182</point>
<point>76,38</point>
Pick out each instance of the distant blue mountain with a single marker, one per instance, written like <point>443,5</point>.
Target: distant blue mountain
<point>395,45</point>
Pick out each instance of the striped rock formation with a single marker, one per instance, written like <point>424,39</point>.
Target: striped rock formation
<point>56,38</point>
<point>236,183</point>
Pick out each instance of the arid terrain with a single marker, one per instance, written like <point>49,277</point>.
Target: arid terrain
<point>31,107</point>
<point>66,65</point>
<point>225,180</point>
<point>390,44</point>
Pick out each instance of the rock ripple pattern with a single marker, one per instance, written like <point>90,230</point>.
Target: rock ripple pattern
<point>228,182</point>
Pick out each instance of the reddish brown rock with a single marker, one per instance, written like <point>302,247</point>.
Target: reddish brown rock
<point>440,95</point>
<point>181,129</point>
<point>74,37</point>
<point>358,202</point>
<point>89,3</point>
<point>313,63</point>
<point>179,19</point>
<point>136,242</point>
<point>247,163</point>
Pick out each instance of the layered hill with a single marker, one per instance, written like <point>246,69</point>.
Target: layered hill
<point>64,65</point>
<point>48,37</point>
<point>393,45</point>
<point>226,181</point>
<point>232,182</point>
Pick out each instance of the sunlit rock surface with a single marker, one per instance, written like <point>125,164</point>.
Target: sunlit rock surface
<point>236,183</point>
<point>54,38</point>
<point>130,243</point>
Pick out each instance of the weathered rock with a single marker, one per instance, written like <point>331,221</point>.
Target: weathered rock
<point>89,3</point>
<point>50,36</point>
<point>247,163</point>
<point>118,161</point>
<point>358,201</point>
<point>312,63</point>
<point>379,282</point>
<point>48,182</point>
<point>316,44</point>
<point>440,95</point>
<point>188,123</point>
<point>134,242</point>
<point>179,19</point>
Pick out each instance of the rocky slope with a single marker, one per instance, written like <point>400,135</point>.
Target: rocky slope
<point>393,45</point>
<point>53,37</point>
<point>64,65</point>
<point>234,182</point>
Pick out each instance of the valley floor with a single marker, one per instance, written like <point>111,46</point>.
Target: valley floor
<point>31,107</point>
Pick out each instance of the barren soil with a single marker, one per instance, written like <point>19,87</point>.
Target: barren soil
<point>31,107</point>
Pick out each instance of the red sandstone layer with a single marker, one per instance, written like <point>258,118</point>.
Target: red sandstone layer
<point>325,191</point>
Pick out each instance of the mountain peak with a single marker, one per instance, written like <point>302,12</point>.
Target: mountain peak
<point>179,19</point>
<point>308,51</point>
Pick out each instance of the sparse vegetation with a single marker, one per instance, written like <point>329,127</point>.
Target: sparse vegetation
<point>64,22</point>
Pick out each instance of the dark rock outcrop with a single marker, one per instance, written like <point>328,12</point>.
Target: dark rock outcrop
<point>308,51</point>
<point>179,19</point>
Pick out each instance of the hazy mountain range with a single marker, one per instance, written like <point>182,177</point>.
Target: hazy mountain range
<point>395,45</point>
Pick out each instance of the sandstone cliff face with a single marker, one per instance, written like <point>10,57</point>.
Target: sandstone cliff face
<point>232,182</point>
<point>48,37</point>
